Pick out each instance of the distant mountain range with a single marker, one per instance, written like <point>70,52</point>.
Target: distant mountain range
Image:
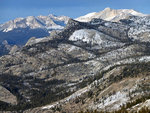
<point>18,31</point>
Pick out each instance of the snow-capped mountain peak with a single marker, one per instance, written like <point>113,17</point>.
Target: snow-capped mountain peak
<point>107,9</point>
<point>110,15</point>
<point>46,22</point>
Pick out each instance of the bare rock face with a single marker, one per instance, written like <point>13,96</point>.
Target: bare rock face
<point>7,96</point>
<point>49,69</point>
<point>14,49</point>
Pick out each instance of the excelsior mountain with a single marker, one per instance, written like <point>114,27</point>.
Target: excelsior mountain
<point>109,14</point>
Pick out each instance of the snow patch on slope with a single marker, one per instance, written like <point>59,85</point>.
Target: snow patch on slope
<point>95,38</point>
<point>73,96</point>
<point>120,98</point>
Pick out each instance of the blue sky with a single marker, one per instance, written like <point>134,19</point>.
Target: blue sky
<point>11,9</point>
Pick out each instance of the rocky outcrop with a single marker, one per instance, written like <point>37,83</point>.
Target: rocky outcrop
<point>7,96</point>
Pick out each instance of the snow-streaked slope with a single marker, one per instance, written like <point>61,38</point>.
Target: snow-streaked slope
<point>44,22</point>
<point>110,15</point>
<point>139,28</point>
<point>95,38</point>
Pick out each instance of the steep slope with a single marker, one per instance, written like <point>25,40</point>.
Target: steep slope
<point>70,60</point>
<point>124,87</point>
<point>110,15</point>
